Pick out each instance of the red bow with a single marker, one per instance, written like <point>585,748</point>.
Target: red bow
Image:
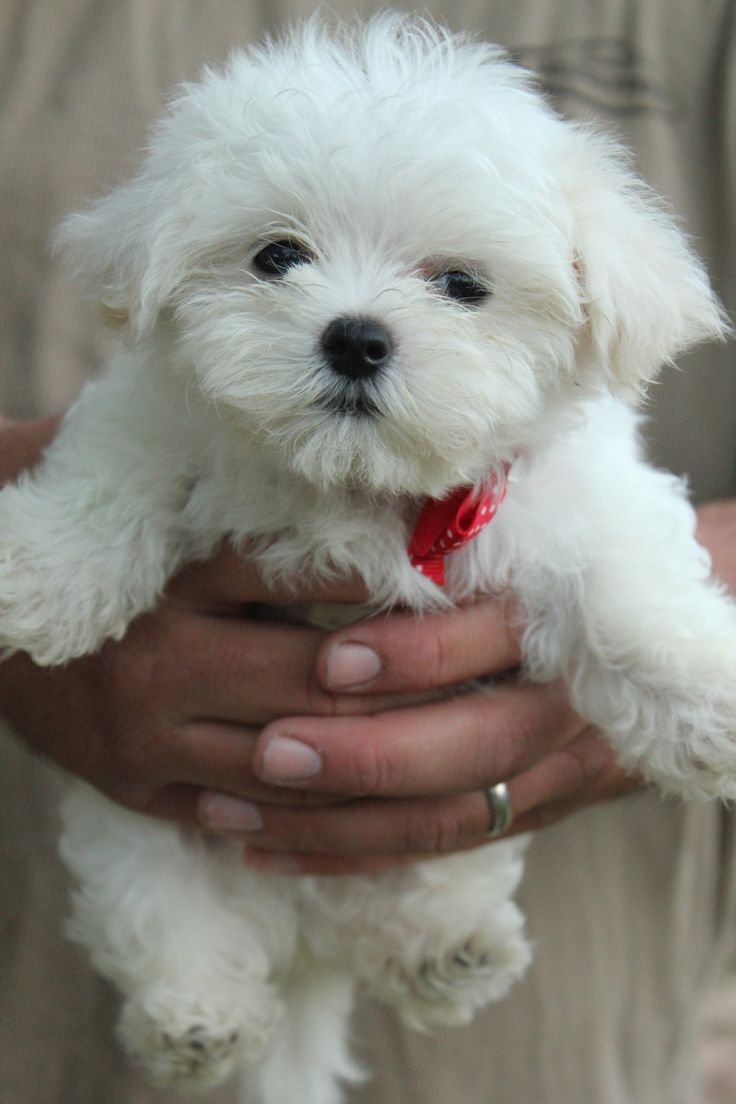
<point>445,524</point>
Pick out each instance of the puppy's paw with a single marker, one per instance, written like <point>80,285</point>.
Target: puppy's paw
<point>701,763</point>
<point>24,621</point>
<point>45,609</point>
<point>690,747</point>
<point>447,982</point>
<point>56,608</point>
<point>195,1043</point>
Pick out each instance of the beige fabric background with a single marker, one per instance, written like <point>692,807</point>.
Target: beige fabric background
<point>631,905</point>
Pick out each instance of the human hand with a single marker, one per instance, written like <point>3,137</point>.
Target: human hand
<point>176,706</point>
<point>422,772</point>
<point>418,774</point>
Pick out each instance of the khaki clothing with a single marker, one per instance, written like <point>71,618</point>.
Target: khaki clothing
<point>631,905</point>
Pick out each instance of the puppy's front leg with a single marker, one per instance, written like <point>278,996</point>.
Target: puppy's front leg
<point>649,645</point>
<point>87,539</point>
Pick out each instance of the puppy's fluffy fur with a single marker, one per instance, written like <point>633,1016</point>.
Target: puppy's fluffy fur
<point>529,286</point>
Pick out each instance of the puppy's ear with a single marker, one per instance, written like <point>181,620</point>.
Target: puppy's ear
<point>125,248</point>
<point>645,294</point>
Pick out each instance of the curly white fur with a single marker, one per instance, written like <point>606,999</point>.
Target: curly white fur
<point>391,154</point>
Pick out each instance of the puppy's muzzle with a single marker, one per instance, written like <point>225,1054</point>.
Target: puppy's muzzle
<point>356,348</point>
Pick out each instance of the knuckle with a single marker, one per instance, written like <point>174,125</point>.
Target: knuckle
<point>372,771</point>
<point>133,668</point>
<point>439,831</point>
<point>130,755</point>
<point>587,763</point>
<point>498,749</point>
<point>140,758</point>
<point>486,749</point>
<point>510,625</point>
<point>543,817</point>
<point>430,659</point>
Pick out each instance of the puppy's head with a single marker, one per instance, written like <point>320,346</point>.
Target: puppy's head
<point>386,258</point>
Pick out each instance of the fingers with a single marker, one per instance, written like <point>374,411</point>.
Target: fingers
<point>460,744</point>
<point>218,759</point>
<point>409,826</point>
<point>196,667</point>
<point>581,773</point>
<point>230,579</point>
<point>177,803</point>
<point>240,671</point>
<point>405,652</point>
<point>171,773</point>
<point>270,862</point>
<point>192,755</point>
<point>248,672</point>
<point>367,836</point>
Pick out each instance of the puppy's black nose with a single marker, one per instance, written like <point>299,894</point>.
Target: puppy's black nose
<point>356,347</point>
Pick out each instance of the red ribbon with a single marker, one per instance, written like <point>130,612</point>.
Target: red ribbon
<point>446,524</point>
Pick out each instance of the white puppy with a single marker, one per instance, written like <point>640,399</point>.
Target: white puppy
<point>357,274</point>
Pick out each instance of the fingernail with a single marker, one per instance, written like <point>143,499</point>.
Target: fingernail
<point>229,814</point>
<point>351,665</point>
<point>289,760</point>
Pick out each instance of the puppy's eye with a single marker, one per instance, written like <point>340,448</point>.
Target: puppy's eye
<point>276,258</point>
<point>464,287</point>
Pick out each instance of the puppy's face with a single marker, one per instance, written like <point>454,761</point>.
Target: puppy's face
<point>375,312</point>
<point>371,256</point>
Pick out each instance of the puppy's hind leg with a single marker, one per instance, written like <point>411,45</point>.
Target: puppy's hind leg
<point>308,1059</point>
<point>165,916</point>
<point>438,941</point>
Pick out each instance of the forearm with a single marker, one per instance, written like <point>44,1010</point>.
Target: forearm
<point>717,532</point>
<point>21,443</point>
